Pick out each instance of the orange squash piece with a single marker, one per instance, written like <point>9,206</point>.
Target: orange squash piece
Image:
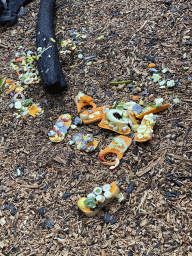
<point>67,122</point>
<point>118,146</point>
<point>104,125</point>
<point>95,115</point>
<point>33,110</point>
<point>94,144</point>
<point>145,122</point>
<point>132,118</point>
<point>90,213</point>
<point>153,110</point>
<point>84,100</point>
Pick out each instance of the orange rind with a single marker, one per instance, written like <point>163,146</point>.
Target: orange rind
<point>118,146</point>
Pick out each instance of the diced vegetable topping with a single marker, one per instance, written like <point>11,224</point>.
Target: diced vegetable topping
<point>106,187</point>
<point>108,194</point>
<point>97,191</point>
<point>100,198</point>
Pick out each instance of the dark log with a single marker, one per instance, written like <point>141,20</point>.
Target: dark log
<point>49,66</point>
<point>1,7</point>
<point>9,16</point>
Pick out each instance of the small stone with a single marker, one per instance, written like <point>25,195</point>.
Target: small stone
<point>2,221</point>
<point>143,222</point>
<point>41,211</point>
<point>77,121</point>
<point>66,195</point>
<point>18,173</point>
<point>49,223</point>
<point>12,208</point>
<point>107,218</point>
<point>113,221</point>
<point>108,94</point>
<point>168,194</point>
<point>150,58</point>
<point>90,57</point>
<point>145,93</point>
<point>130,188</point>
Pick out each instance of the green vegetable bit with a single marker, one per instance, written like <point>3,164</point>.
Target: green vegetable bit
<point>2,81</point>
<point>28,102</point>
<point>123,82</point>
<point>90,202</point>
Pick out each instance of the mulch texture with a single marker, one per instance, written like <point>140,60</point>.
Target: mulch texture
<point>38,211</point>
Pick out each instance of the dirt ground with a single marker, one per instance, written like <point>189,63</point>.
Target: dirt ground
<point>38,210</point>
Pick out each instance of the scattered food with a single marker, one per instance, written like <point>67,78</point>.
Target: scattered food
<point>96,200</point>
<point>60,128</point>
<point>117,147</point>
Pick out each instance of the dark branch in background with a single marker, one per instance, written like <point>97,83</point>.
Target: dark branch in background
<point>49,66</point>
<point>9,16</point>
<point>1,7</point>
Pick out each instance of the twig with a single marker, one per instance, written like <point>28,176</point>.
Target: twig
<point>170,249</point>
<point>150,166</point>
<point>30,186</point>
<point>186,137</point>
<point>134,33</point>
<point>142,200</point>
<point>184,177</point>
<point>4,46</point>
<point>139,29</point>
<point>180,158</point>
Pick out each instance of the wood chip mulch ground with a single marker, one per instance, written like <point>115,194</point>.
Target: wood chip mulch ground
<point>38,211</point>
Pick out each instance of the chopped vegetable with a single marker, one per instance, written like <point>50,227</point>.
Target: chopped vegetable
<point>156,77</point>
<point>171,83</point>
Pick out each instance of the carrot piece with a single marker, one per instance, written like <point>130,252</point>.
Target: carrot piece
<point>151,65</point>
<point>135,98</point>
<point>8,81</point>
<point>19,59</point>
